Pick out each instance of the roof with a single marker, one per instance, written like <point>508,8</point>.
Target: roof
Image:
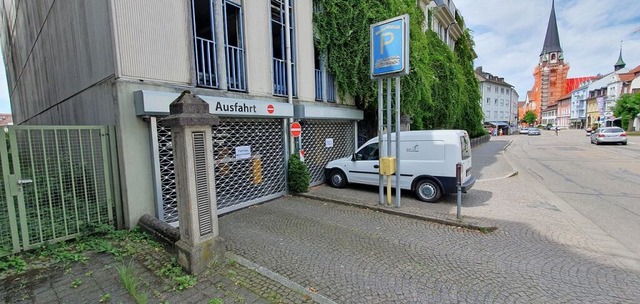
<point>635,70</point>
<point>565,96</point>
<point>6,119</point>
<point>552,39</point>
<point>627,77</point>
<point>620,63</point>
<point>498,123</point>
<point>574,83</point>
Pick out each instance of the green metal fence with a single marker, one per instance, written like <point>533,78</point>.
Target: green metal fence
<point>56,181</point>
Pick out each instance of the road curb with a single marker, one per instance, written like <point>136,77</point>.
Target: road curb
<point>456,222</point>
<point>279,278</point>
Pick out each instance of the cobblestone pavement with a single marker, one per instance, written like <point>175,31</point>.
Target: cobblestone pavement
<point>98,281</point>
<point>308,249</point>
<point>538,254</point>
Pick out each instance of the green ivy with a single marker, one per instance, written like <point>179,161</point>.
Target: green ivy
<point>441,90</point>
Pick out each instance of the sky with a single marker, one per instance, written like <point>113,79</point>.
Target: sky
<point>509,35</point>
<point>5,107</point>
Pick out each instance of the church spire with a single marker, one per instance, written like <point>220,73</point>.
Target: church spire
<point>552,39</point>
<point>620,64</point>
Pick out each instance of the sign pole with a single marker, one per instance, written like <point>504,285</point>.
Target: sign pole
<point>380,105</point>
<point>389,101</point>
<point>398,192</point>
<point>389,58</point>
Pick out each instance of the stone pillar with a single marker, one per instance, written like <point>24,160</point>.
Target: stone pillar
<point>190,123</point>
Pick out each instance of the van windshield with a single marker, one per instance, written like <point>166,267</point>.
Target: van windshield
<point>465,147</point>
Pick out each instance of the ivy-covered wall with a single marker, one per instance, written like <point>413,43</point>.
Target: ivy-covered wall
<point>440,92</point>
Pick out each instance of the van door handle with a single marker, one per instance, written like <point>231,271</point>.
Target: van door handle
<point>376,166</point>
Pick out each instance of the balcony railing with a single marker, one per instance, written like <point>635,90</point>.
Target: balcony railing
<point>236,70</point>
<point>319,88</point>
<point>280,78</point>
<point>331,88</point>
<point>206,71</point>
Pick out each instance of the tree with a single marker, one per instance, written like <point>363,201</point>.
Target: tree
<point>530,117</point>
<point>440,92</point>
<point>628,106</point>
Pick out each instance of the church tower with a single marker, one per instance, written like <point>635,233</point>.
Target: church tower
<point>550,75</point>
<point>620,64</point>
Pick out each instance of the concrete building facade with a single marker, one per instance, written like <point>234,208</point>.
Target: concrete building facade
<point>499,100</point>
<point>121,63</point>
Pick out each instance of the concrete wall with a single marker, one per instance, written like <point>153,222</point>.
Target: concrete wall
<point>60,49</point>
<point>304,48</point>
<point>154,40</point>
<point>257,39</point>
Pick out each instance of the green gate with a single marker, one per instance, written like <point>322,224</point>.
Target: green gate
<point>56,182</point>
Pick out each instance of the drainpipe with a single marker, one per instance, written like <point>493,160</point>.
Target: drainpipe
<point>219,34</point>
<point>287,41</point>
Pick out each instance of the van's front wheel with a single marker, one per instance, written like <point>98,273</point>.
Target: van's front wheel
<point>337,179</point>
<point>428,191</point>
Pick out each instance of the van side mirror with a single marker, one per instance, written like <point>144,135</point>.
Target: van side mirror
<point>356,156</point>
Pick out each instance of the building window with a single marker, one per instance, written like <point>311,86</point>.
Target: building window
<point>488,88</point>
<point>495,103</point>
<point>495,113</point>
<point>496,89</point>
<point>205,43</point>
<point>502,90</point>
<point>502,102</point>
<point>278,47</point>
<point>488,114</point>
<point>236,77</point>
<point>488,100</point>
<point>324,81</point>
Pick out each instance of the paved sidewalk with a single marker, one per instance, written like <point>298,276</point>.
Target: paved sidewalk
<point>539,252</point>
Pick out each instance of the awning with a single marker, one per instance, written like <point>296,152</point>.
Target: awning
<point>498,123</point>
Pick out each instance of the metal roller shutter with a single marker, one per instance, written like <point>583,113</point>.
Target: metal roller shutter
<point>239,182</point>
<point>315,133</point>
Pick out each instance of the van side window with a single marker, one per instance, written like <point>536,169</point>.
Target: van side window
<point>369,152</point>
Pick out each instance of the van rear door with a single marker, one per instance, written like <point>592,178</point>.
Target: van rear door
<point>465,156</point>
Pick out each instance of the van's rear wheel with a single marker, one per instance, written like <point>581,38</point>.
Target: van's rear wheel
<point>428,191</point>
<point>337,179</point>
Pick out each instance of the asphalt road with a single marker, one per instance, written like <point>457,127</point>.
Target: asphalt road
<point>600,182</point>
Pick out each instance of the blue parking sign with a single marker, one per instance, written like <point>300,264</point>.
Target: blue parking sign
<point>390,47</point>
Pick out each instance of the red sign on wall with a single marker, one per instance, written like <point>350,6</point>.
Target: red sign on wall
<point>270,109</point>
<point>296,129</point>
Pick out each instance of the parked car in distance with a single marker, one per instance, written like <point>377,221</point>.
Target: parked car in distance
<point>534,131</point>
<point>524,131</point>
<point>589,131</point>
<point>609,135</point>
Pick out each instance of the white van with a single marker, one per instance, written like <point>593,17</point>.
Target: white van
<point>427,163</point>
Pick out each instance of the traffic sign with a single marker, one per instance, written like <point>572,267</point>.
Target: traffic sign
<point>390,47</point>
<point>296,129</point>
<point>270,109</point>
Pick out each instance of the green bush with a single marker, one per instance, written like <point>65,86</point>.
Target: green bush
<point>299,176</point>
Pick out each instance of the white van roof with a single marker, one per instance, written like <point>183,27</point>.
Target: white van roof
<point>423,135</point>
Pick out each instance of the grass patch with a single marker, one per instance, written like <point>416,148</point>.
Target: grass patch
<point>131,283</point>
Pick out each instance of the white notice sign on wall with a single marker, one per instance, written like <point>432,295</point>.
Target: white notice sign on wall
<point>328,142</point>
<point>243,152</point>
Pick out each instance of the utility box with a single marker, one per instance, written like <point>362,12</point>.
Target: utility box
<point>387,165</point>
